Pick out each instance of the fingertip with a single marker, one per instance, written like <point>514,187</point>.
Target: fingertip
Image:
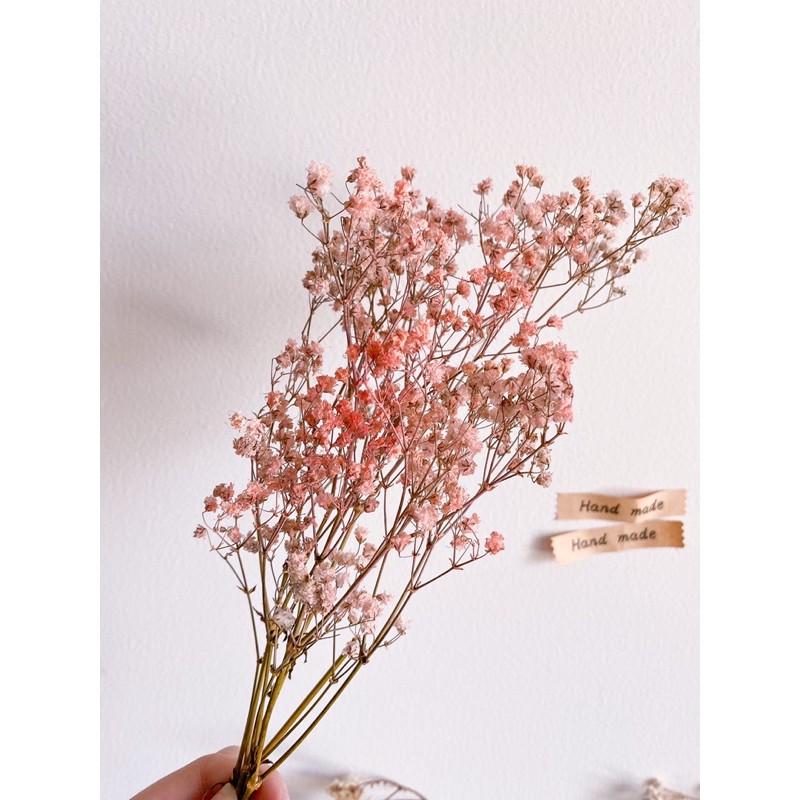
<point>273,788</point>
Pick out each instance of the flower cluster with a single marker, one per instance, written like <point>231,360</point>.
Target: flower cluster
<point>448,382</point>
<point>654,790</point>
<point>386,789</point>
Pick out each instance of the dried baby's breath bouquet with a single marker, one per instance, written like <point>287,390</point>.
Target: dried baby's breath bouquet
<point>445,382</point>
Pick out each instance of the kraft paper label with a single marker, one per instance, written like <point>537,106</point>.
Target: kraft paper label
<point>575,545</point>
<point>665,503</point>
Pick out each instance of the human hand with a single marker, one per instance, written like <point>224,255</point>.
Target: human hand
<point>206,778</point>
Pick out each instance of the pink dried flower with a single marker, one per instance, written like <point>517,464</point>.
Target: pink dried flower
<point>317,285</point>
<point>235,535</point>
<point>352,649</point>
<point>318,180</point>
<point>495,543</point>
<point>362,207</point>
<point>581,183</point>
<point>361,534</point>
<point>544,479</point>
<point>401,541</point>
<point>224,491</point>
<point>301,205</point>
<point>427,517</point>
<point>283,618</point>
<point>365,178</point>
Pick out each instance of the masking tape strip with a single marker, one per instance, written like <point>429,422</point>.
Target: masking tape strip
<point>664,503</point>
<point>576,545</point>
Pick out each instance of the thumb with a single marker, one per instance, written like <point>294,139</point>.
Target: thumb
<point>273,788</point>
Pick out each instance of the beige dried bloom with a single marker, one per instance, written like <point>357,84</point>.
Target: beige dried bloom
<point>654,790</point>
<point>352,790</point>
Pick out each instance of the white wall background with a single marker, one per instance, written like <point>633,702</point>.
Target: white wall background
<point>518,679</point>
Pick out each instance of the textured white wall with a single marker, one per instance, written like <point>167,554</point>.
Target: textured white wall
<point>518,679</point>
